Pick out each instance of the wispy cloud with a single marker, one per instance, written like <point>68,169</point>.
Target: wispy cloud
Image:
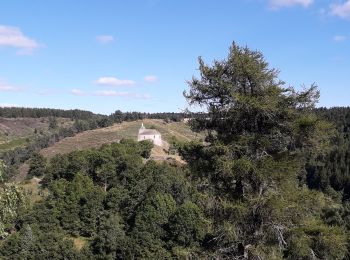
<point>341,10</point>
<point>4,86</point>
<point>112,93</point>
<point>276,4</point>
<point>78,92</point>
<point>13,37</point>
<point>150,78</point>
<point>8,105</point>
<point>114,82</point>
<point>46,92</point>
<point>339,38</point>
<point>109,93</point>
<point>104,39</point>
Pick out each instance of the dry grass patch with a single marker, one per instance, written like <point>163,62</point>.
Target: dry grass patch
<point>33,189</point>
<point>79,242</point>
<point>160,154</point>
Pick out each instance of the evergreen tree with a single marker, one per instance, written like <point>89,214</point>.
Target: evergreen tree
<point>37,165</point>
<point>260,133</point>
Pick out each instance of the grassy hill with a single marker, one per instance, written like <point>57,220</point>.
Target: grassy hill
<point>98,137</point>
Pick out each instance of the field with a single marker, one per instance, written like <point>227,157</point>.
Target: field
<point>95,138</point>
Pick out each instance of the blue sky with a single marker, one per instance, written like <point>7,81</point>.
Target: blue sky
<point>104,55</point>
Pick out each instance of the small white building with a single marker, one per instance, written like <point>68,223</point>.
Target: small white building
<point>149,134</point>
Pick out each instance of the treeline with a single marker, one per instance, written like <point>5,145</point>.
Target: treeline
<point>119,116</point>
<point>339,115</point>
<point>76,114</point>
<point>15,112</point>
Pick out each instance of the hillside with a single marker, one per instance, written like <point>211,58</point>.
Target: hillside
<point>125,130</point>
<point>15,132</point>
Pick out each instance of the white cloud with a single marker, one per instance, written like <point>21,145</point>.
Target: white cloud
<point>339,38</point>
<point>105,39</point>
<point>114,82</point>
<point>78,92</point>
<point>142,96</point>
<point>4,86</point>
<point>110,93</point>
<point>151,78</point>
<point>13,37</point>
<point>341,10</point>
<point>275,4</point>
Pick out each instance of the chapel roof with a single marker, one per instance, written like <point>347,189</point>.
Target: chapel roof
<point>148,132</point>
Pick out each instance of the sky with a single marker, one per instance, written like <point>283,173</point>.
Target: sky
<point>137,55</point>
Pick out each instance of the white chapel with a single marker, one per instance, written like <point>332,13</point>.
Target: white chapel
<point>149,134</point>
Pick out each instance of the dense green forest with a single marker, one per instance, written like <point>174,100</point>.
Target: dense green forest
<point>330,172</point>
<point>270,182</point>
<point>76,114</point>
<point>14,112</point>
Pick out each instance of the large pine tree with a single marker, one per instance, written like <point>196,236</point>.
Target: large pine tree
<point>252,172</point>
